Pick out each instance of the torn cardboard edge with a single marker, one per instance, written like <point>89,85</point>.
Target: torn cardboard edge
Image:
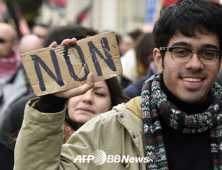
<point>61,68</point>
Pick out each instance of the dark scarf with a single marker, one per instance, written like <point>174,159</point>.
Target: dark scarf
<point>68,131</point>
<point>155,105</point>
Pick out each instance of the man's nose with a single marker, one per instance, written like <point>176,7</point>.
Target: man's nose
<point>194,63</point>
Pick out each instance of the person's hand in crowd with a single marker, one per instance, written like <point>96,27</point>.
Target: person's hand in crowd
<point>81,89</point>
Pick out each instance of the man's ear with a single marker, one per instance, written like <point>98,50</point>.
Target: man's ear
<point>158,60</point>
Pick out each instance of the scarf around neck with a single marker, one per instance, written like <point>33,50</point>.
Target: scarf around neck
<point>8,67</point>
<point>156,106</point>
<point>68,131</point>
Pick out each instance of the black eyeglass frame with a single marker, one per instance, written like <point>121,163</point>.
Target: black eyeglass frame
<point>170,49</point>
<point>2,41</point>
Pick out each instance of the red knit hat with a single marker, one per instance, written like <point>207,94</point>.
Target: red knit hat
<point>169,2</point>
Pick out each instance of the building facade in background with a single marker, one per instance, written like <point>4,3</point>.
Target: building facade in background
<point>120,16</point>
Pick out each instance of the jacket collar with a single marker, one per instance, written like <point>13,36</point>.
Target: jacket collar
<point>130,118</point>
<point>132,124</point>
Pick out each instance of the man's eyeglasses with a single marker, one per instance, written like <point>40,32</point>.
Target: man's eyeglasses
<point>179,54</point>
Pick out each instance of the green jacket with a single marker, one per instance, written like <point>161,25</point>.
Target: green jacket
<point>117,132</point>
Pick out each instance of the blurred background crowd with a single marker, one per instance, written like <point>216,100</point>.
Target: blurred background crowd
<point>30,25</point>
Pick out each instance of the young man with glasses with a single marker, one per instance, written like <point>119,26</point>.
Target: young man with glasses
<point>177,122</point>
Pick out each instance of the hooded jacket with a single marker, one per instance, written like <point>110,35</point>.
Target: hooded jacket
<point>118,133</point>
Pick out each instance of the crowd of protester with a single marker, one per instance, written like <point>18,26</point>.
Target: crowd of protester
<point>136,52</point>
<point>16,91</point>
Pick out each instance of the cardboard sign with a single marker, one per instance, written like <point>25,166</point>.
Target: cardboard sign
<point>56,69</point>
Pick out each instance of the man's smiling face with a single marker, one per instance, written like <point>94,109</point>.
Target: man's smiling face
<point>189,81</point>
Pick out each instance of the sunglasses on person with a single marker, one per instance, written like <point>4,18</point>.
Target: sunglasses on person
<point>2,41</point>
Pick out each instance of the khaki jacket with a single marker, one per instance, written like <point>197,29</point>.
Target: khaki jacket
<point>117,132</point>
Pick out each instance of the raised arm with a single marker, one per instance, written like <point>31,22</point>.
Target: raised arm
<point>39,141</point>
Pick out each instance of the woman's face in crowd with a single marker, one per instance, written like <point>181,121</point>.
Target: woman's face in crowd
<point>95,101</point>
<point>126,44</point>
